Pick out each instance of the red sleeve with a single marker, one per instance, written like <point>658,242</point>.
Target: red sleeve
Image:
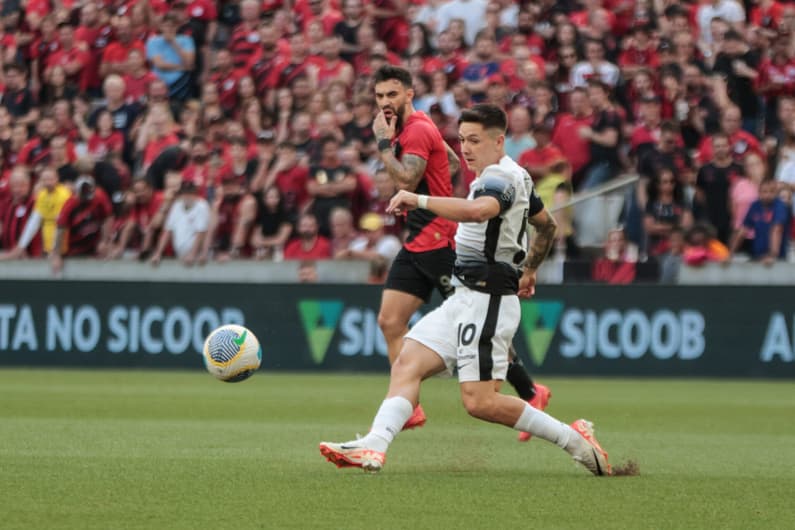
<point>417,140</point>
<point>104,203</point>
<point>705,150</point>
<point>290,251</point>
<point>66,212</point>
<point>24,153</point>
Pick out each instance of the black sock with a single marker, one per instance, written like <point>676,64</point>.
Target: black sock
<point>520,380</point>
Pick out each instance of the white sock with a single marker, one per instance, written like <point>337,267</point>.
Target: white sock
<point>389,420</point>
<point>539,423</point>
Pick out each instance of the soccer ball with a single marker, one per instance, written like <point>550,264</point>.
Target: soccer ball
<point>232,353</point>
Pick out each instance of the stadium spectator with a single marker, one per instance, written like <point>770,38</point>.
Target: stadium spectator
<point>235,212</point>
<point>519,138</point>
<point>330,184</point>
<point>617,266</point>
<point>307,271</point>
<point>16,96</point>
<point>739,67</point>
<point>16,210</point>
<point>84,223</point>
<point>373,245</point>
<point>124,113</point>
<point>769,219</point>
<point>173,57</point>
<point>741,142</point>
<point>343,232</point>
<point>701,246</point>
<point>138,231</point>
<point>290,177</point>
<point>595,67</point>
<point>712,187</point>
<point>72,58</point>
<point>481,67</point>
<point>665,211</point>
<point>745,190</point>
<point>186,227</point>
<point>567,136</point>
<point>471,14</point>
<point>273,226</point>
<point>156,134</point>
<point>308,243</point>
<point>541,160</point>
<point>604,136</point>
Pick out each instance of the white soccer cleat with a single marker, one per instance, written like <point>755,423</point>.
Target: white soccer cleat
<point>588,452</point>
<point>353,454</point>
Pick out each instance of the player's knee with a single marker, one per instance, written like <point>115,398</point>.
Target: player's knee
<point>478,407</point>
<point>405,367</point>
<point>392,326</point>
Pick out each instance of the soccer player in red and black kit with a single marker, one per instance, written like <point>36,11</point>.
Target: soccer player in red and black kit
<point>418,160</point>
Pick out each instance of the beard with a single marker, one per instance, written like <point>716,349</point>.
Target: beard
<point>398,113</point>
<point>307,236</point>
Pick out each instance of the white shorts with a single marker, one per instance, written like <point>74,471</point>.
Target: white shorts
<point>471,331</point>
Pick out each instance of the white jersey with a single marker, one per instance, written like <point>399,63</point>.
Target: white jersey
<point>489,255</point>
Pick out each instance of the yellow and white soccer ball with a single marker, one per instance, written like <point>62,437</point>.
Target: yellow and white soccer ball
<point>232,353</point>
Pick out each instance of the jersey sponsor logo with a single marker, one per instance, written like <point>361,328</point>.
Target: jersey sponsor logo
<point>319,319</point>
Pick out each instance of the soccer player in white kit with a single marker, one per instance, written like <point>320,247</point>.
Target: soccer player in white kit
<point>472,330</point>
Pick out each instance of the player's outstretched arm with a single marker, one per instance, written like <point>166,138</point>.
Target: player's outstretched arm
<point>460,210</point>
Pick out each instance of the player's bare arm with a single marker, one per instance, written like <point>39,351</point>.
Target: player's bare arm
<point>546,227</point>
<point>541,244</point>
<point>452,208</point>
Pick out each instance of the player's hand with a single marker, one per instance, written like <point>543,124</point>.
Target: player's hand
<point>527,284</point>
<point>403,201</point>
<point>383,129</point>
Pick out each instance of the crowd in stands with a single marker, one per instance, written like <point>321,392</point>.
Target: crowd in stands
<point>202,130</point>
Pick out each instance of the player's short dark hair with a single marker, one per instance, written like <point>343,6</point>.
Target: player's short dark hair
<point>388,72</point>
<point>489,116</point>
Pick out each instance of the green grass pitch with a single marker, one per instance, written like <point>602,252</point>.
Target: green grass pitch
<point>179,450</point>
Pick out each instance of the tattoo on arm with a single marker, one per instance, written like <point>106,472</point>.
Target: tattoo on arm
<point>546,227</point>
<point>407,172</point>
<point>453,161</point>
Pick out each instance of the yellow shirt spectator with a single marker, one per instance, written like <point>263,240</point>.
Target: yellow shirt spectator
<point>48,205</point>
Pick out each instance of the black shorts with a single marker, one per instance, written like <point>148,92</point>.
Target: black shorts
<point>419,273</point>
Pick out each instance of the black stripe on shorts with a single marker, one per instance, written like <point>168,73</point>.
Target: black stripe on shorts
<point>485,362</point>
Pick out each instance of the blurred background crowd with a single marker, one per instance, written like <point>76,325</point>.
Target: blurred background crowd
<point>202,130</point>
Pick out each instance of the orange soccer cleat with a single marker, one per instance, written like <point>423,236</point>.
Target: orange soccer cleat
<point>353,454</point>
<point>417,418</point>
<point>540,402</point>
<point>590,454</point>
